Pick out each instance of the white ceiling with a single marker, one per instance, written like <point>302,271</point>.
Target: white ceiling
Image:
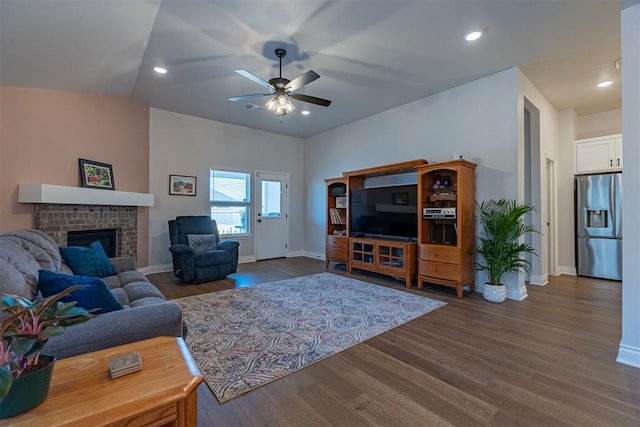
<point>372,55</point>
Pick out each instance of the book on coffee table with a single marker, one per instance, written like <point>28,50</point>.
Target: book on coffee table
<point>125,364</point>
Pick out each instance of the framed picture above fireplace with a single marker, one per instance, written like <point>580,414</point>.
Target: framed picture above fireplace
<point>96,175</point>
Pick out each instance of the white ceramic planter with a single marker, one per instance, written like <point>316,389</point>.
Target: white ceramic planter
<point>494,293</point>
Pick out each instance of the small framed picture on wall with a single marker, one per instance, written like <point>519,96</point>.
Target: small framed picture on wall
<point>181,185</point>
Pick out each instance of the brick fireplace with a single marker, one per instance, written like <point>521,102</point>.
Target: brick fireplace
<point>58,209</point>
<point>57,219</point>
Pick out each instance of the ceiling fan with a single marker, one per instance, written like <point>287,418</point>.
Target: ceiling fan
<point>282,89</point>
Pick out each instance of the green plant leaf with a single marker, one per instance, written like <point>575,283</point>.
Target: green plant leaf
<point>27,325</point>
<point>499,245</point>
<point>6,379</point>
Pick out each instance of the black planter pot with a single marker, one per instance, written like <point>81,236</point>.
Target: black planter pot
<point>29,390</point>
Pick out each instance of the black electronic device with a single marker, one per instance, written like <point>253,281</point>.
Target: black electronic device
<point>339,190</point>
<point>439,213</point>
<point>385,211</point>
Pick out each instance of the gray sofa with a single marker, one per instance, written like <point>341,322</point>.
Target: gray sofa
<point>146,313</point>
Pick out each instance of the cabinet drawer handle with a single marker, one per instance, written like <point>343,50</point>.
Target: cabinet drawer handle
<point>611,162</point>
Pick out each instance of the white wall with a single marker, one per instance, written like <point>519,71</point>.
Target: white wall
<point>629,351</point>
<point>568,130</point>
<point>600,124</point>
<point>186,145</point>
<point>478,119</point>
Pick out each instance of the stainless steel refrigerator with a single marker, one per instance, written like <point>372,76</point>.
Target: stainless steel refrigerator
<point>599,225</point>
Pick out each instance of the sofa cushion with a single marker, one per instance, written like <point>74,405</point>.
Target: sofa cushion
<point>147,301</point>
<point>13,252</point>
<point>13,282</point>
<point>202,242</point>
<point>94,293</point>
<point>127,290</point>
<point>88,260</point>
<point>132,276</point>
<point>139,290</point>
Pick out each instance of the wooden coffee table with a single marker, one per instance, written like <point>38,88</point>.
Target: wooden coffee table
<point>164,392</point>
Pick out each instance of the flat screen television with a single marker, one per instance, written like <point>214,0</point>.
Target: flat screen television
<point>385,211</point>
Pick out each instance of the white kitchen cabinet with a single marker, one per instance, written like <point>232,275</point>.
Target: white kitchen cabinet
<point>602,154</point>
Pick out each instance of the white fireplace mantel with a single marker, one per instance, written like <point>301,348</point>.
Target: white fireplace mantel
<point>64,195</point>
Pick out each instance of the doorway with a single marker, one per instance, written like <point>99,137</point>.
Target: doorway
<point>533,192</point>
<point>550,215</point>
<point>272,218</point>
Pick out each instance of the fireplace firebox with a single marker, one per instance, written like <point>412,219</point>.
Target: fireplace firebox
<point>107,238</point>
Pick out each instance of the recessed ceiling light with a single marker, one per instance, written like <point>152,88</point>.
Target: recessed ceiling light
<point>605,83</point>
<point>473,35</point>
<point>160,70</point>
<point>305,112</point>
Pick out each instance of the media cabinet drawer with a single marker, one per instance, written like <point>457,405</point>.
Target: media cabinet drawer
<point>440,270</point>
<point>340,254</point>
<point>338,242</point>
<point>439,253</point>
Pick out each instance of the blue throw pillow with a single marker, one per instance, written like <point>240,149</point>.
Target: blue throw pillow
<point>88,260</point>
<point>94,294</point>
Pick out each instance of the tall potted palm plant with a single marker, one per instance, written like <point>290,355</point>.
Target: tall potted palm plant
<point>499,243</point>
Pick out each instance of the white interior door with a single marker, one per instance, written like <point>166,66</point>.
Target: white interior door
<point>271,217</point>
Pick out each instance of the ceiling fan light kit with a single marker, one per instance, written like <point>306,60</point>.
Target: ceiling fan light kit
<point>280,105</point>
<point>282,89</point>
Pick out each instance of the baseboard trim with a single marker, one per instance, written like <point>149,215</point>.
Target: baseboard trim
<point>153,269</point>
<point>315,255</point>
<point>246,259</point>
<point>295,254</point>
<point>517,294</point>
<point>539,280</point>
<point>571,271</point>
<point>629,355</point>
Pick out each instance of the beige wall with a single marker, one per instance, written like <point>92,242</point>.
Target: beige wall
<point>43,133</point>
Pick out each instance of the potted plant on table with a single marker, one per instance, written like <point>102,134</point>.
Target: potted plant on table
<point>499,243</point>
<point>25,327</point>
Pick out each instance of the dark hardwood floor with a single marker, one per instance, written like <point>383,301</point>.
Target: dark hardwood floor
<point>547,360</point>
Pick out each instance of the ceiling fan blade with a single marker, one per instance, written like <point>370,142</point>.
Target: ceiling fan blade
<point>310,99</point>
<point>245,97</point>
<point>254,78</point>
<point>301,80</point>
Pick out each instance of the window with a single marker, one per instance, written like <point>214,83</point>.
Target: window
<point>229,201</point>
<point>271,198</point>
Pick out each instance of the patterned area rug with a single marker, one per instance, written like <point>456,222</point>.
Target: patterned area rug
<point>246,337</point>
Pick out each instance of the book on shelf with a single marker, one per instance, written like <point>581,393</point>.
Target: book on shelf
<point>337,217</point>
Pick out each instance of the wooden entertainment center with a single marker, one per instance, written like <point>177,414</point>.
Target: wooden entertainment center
<point>443,251</point>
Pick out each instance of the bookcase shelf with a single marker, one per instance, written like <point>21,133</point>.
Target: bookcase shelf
<point>337,237</point>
